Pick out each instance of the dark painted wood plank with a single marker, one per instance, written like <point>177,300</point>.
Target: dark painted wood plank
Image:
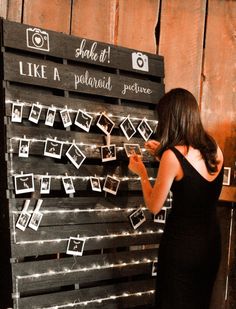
<point>66,271</point>
<point>102,54</point>
<point>45,73</point>
<point>88,294</point>
<point>54,240</point>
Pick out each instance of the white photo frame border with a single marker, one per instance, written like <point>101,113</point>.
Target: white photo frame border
<point>79,124</point>
<point>53,155</point>
<point>14,118</point>
<point>94,188</point>
<point>45,191</point>
<point>68,191</point>
<point>21,154</point>
<point>123,129</point>
<point>102,127</point>
<point>47,122</point>
<point>113,158</point>
<point>227,176</point>
<point>141,221</point>
<point>67,123</point>
<point>163,209</point>
<point>114,192</point>
<point>35,119</point>
<point>149,128</point>
<point>77,253</point>
<point>74,162</point>
<point>126,145</point>
<point>27,190</point>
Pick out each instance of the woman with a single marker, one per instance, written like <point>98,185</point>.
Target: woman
<point>191,166</point>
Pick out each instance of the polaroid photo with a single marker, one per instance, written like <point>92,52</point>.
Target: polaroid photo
<point>16,113</point>
<point>24,183</point>
<point>65,117</point>
<point>226,177</point>
<point>154,268</point>
<point>45,184</point>
<point>50,116</point>
<point>23,148</point>
<point>160,217</point>
<point>132,149</point>
<point>75,155</point>
<point>36,216</point>
<point>111,185</point>
<point>53,148</point>
<point>144,129</point>
<point>108,153</point>
<point>24,217</point>
<point>75,246</point>
<point>68,184</point>
<point>105,123</point>
<point>83,120</point>
<point>95,183</point>
<point>128,128</point>
<point>137,218</point>
<point>35,113</point>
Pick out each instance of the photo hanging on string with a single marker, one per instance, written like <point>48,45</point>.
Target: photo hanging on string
<point>16,113</point>
<point>105,124</point>
<point>95,184</point>
<point>108,153</point>
<point>23,148</point>
<point>137,218</point>
<point>65,117</point>
<point>45,185</point>
<point>24,217</point>
<point>144,129</point>
<point>53,148</point>
<point>160,217</point>
<point>75,155</point>
<point>68,184</point>
<point>50,116</point>
<point>24,183</point>
<point>75,246</point>
<point>128,128</point>
<point>111,185</point>
<point>83,120</point>
<point>35,113</point>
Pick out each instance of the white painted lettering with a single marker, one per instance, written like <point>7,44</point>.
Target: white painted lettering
<point>92,53</point>
<point>93,82</point>
<point>56,75</point>
<point>135,88</point>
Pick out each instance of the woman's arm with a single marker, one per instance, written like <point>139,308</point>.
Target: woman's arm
<point>155,196</point>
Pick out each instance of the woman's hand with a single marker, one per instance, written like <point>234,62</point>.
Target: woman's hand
<point>136,165</point>
<point>151,146</point>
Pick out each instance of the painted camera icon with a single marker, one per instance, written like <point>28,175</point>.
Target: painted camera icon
<point>140,61</point>
<point>37,39</point>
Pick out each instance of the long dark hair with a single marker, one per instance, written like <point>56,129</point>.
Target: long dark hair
<point>179,123</point>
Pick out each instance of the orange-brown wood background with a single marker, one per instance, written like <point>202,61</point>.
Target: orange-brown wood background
<point>196,37</point>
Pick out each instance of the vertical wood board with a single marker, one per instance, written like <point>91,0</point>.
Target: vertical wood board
<point>53,14</point>
<point>94,19</point>
<point>137,20</point>
<point>181,43</point>
<point>219,85</point>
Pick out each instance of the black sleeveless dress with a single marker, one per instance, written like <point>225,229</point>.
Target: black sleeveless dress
<point>190,249</point>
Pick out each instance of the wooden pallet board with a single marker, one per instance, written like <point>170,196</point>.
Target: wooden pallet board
<point>113,250</point>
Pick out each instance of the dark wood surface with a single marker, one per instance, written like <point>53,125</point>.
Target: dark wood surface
<point>116,258</point>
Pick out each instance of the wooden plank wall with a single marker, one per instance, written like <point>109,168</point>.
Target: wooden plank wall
<point>196,38</point>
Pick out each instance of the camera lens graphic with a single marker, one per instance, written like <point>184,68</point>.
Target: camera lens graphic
<point>140,62</point>
<point>37,40</point>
